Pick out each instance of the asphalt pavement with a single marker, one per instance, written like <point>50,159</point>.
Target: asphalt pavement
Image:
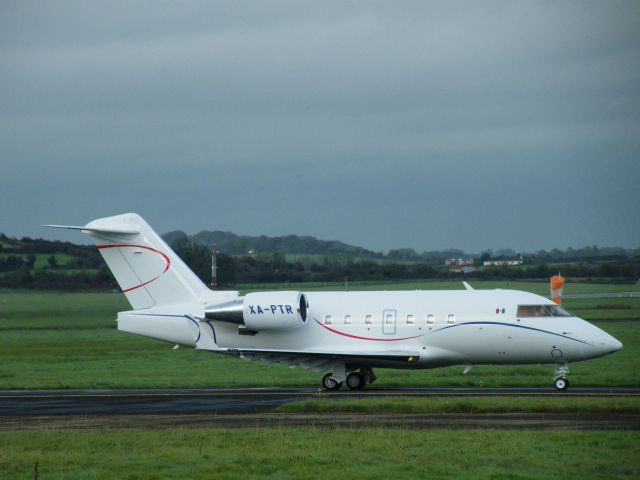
<point>240,400</point>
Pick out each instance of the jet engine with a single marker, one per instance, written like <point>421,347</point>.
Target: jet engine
<point>263,311</point>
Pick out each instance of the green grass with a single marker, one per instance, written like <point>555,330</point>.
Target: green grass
<point>25,309</point>
<point>475,404</point>
<point>108,358</point>
<point>335,259</point>
<point>58,340</point>
<point>588,308</point>
<point>318,258</point>
<point>538,287</point>
<point>68,340</point>
<point>42,261</point>
<point>293,453</point>
<point>542,287</point>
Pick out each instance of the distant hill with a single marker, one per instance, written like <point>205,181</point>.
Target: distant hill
<point>172,236</point>
<point>232,244</point>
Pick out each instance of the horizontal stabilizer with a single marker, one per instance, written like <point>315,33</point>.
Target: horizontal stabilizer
<point>467,286</point>
<point>115,231</point>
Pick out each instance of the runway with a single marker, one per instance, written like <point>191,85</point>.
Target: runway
<point>601,295</point>
<point>214,401</point>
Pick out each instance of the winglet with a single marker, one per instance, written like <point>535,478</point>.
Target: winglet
<point>117,231</point>
<point>467,286</point>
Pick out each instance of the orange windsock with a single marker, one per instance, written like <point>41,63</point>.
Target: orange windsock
<point>557,282</point>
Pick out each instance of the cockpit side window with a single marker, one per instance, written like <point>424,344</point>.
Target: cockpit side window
<point>531,311</point>
<point>542,311</point>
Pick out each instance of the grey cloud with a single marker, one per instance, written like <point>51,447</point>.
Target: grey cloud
<point>428,124</point>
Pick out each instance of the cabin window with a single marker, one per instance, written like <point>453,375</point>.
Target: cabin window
<point>411,318</point>
<point>431,319</point>
<point>388,319</point>
<point>451,318</point>
<point>368,319</point>
<point>347,319</point>
<point>328,319</point>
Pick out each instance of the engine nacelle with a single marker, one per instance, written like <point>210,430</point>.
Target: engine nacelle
<point>263,311</point>
<point>274,310</point>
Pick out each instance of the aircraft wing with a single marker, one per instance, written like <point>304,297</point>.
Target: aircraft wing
<point>324,360</point>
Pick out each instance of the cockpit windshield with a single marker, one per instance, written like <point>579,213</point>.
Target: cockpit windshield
<point>542,311</point>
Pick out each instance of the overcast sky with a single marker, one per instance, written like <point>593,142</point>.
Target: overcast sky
<point>384,124</point>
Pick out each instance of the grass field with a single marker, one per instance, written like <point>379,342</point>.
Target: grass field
<point>600,308</point>
<point>42,259</point>
<point>53,340</point>
<point>293,453</point>
<point>334,259</point>
<point>471,404</point>
<point>538,287</point>
<point>61,340</point>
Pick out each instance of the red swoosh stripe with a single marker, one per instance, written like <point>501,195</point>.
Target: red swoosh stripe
<point>166,259</point>
<point>366,338</point>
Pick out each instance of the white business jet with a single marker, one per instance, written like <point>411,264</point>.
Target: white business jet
<point>346,334</point>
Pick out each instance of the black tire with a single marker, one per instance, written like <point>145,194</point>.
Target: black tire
<point>356,381</point>
<point>561,383</point>
<point>329,383</point>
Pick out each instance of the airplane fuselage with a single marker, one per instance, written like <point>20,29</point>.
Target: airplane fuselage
<point>345,333</point>
<point>436,328</point>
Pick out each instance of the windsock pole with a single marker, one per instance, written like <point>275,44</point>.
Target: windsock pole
<point>557,282</point>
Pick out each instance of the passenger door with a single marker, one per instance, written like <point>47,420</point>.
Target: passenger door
<point>389,322</point>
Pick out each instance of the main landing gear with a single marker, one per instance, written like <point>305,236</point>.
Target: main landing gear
<point>561,382</point>
<point>330,383</point>
<point>355,380</point>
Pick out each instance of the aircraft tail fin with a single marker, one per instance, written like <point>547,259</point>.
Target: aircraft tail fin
<point>147,270</point>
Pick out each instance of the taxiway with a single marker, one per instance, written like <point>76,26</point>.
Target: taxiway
<point>238,400</point>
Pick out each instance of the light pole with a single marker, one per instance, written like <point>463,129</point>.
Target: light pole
<point>214,267</point>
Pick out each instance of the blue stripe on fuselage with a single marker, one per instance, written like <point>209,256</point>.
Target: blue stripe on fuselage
<point>515,326</point>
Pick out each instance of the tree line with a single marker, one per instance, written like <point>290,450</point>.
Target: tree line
<point>84,269</point>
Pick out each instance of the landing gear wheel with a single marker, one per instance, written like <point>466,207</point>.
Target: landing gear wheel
<point>561,383</point>
<point>329,383</point>
<point>356,381</point>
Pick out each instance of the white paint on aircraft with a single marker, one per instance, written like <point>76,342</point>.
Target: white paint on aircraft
<point>345,333</point>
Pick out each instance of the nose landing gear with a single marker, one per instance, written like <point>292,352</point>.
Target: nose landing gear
<point>561,382</point>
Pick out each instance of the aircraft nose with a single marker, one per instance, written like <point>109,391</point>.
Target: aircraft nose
<point>616,344</point>
<point>601,342</point>
<point>610,344</point>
